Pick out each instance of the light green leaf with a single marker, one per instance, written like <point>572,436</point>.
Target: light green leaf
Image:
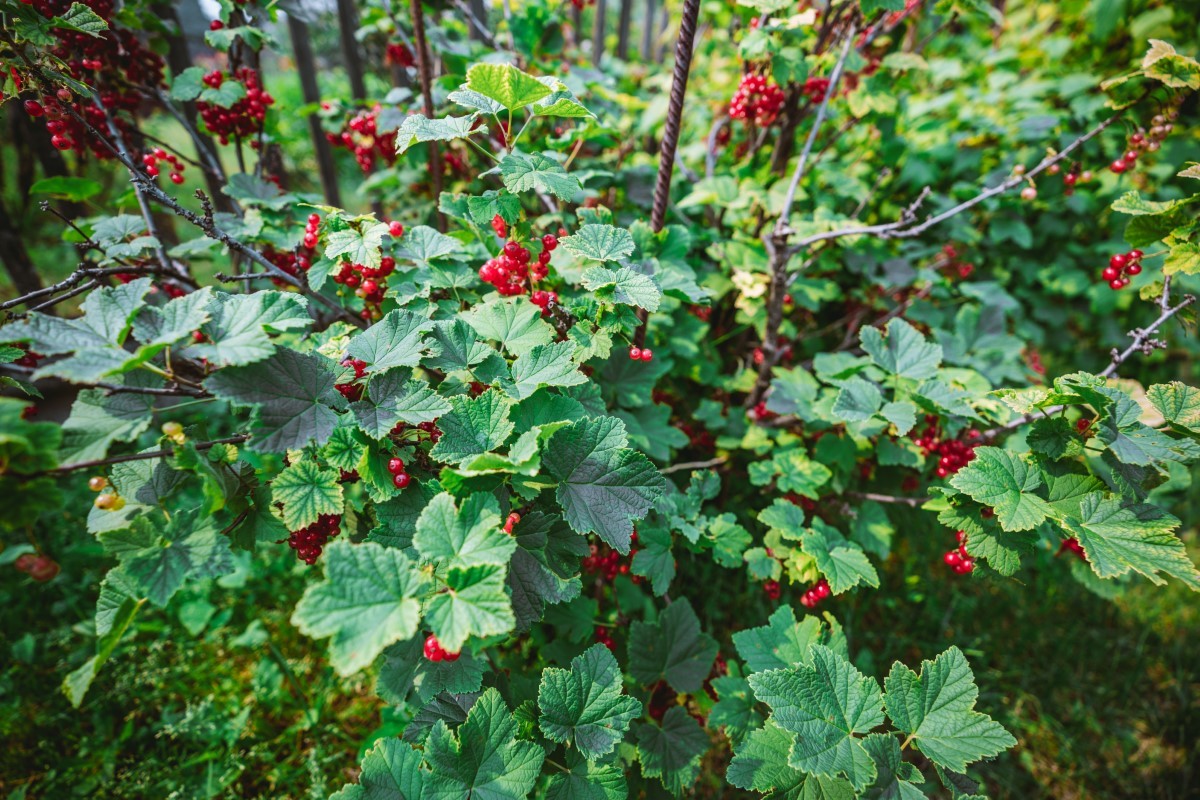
<point>761,764</point>
<point>825,704</point>
<point>936,710</point>
<point>357,246</point>
<point>307,492</point>
<point>474,604</point>
<point>466,536</point>
<point>537,173</point>
<point>397,340</point>
<point>546,365</point>
<point>842,562</point>
<point>600,243</point>
<point>1003,480</point>
<point>1117,539</point>
<point>904,352</point>
<point>507,85</point>
<point>367,602</point>
<point>418,128</point>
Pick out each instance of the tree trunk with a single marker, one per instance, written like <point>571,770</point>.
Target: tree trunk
<point>623,29</point>
<point>348,24</point>
<point>302,49</point>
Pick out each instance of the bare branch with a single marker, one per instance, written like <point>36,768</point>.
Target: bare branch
<point>712,462</point>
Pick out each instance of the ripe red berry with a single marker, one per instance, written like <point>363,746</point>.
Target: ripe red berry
<point>433,650</point>
<point>396,230</point>
<point>1110,273</point>
<point>635,353</point>
<point>1118,166</point>
<point>33,108</point>
<point>401,480</point>
<point>1130,157</point>
<point>1116,284</point>
<point>1133,269</point>
<point>1134,255</point>
<point>216,25</point>
<point>511,522</point>
<point>1118,261</point>
<point>176,178</point>
<point>647,354</point>
<point>395,466</point>
<point>951,558</point>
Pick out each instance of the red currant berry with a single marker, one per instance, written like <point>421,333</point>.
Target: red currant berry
<point>433,650</point>
<point>401,480</point>
<point>395,466</point>
<point>33,108</point>
<point>396,230</point>
<point>635,353</point>
<point>1116,284</point>
<point>176,178</point>
<point>1133,269</point>
<point>1118,166</point>
<point>647,354</point>
<point>1135,255</point>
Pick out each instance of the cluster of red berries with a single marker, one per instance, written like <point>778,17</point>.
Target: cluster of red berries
<point>582,4</point>
<point>114,62</point>
<point>30,359</point>
<point>605,638</point>
<point>352,390</point>
<point>398,54</point>
<point>607,562</point>
<point>953,454</point>
<point>950,261</point>
<point>756,101</point>
<point>510,272</point>
<point>816,594</point>
<point>40,568</point>
<point>772,588</point>
<point>958,559</point>
<point>1121,267</point>
<point>310,542</point>
<point>1072,545</point>
<point>151,159</point>
<point>1148,141</point>
<point>400,477</point>
<point>543,300</point>
<point>369,283</point>
<point>785,347</point>
<point>362,136</point>
<point>640,353</point>
<point>698,436</point>
<point>815,88</point>
<point>760,412</point>
<point>435,652</point>
<point>245,117</point>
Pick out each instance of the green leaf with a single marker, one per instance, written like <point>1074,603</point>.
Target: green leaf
<point>397,340</point>
<point>514,322</point>
<point>673,649</point>
<point>1184,257</point>
<point>118,604</point>
<point>842,562</point>
<point>603,243</point>
<point>474,604</point>
<point>228,94</point>
<point>292,393</point>
<point>99,419</point>
<point>483,758</point>
<point>936,710</point>
<point>307,492</point>
<point>357,246</point>
<point>239,326</point>
<point>905,351</point>
<point>603,485</point>
<point>418,128</point>
<point>735,711</point>
<point>1117,539</point>
<point>781,643</point>
<point>80,17</point>
<point>423,245</point>
<point>1003,480</point>
<point>507,85</point>
<point>587,780</point>
<point>466,536</point>
<point>672,752</point>
<point>654,559</point>
<point>584,707</point>
<point>623,286</point>
<point>367,602</point>
<point>537,173</point>
<point>473,426</point>
<point>392,398</point>
<point>405,668</point>
<point>546,365</point>
<point>184,548</point>
<point>761,764</point>
<point>1178,403</point>
<point>458,346</point>
<point>858,400</point>
<point>391,770</point>
<point>895,777</point>
<point>825,704</point>
<point>67,187</point>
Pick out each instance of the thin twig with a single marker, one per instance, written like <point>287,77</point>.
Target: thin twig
<point>712,462</point>
<point>888,498</point>
<point>103,462</point>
